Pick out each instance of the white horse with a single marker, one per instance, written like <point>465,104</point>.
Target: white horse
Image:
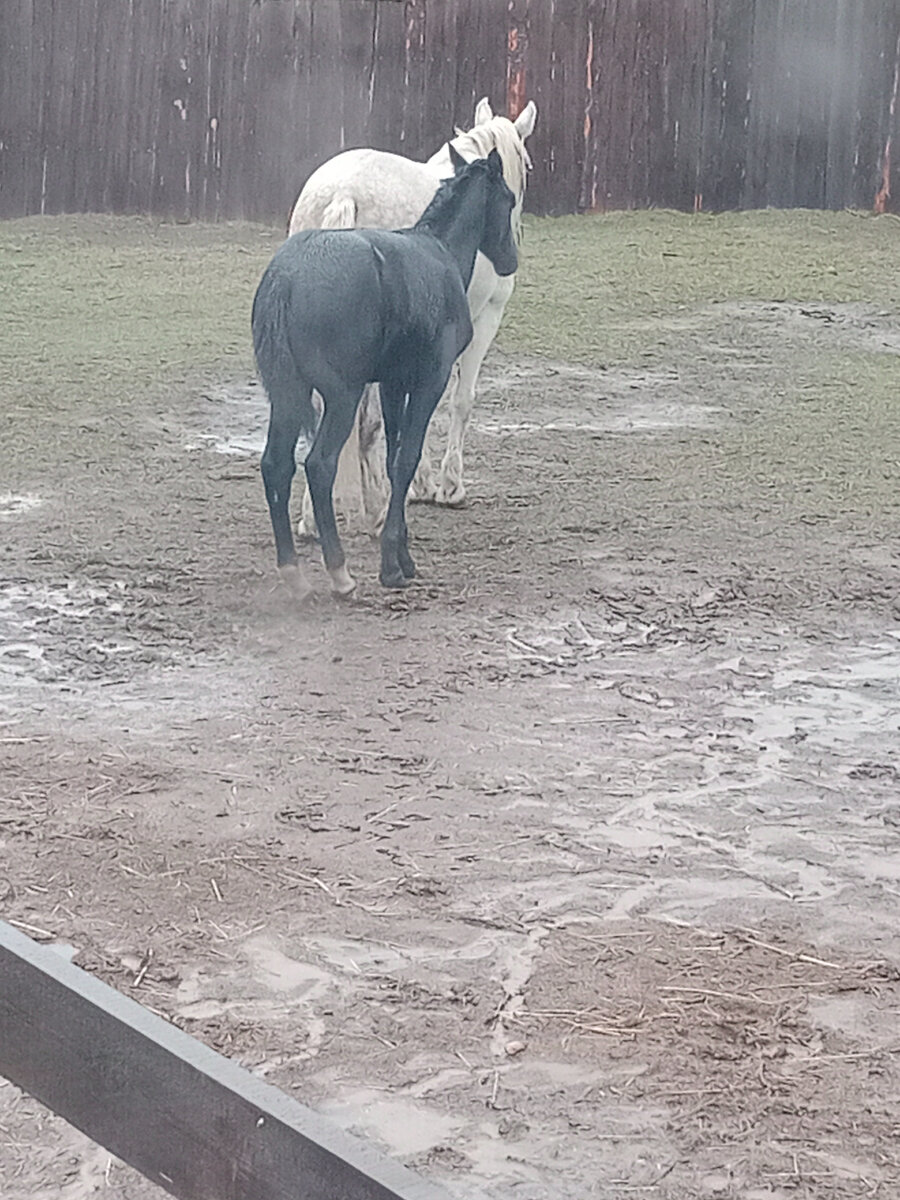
<point>376,190</point>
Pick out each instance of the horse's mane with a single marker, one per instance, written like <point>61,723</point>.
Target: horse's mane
<point>445,190</point>
<point>500,134</point>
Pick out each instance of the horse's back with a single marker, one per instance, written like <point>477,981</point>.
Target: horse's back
<point>354,299</point>
<point>381,190</point>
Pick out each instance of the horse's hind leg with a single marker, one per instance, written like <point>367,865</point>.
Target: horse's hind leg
<point>451,490</point>
<point>278,467</point>
<point>349,493</point>
<point>376,488</point>
<point>425,486</point>
<point>405,429</point>
<point>321,468</point>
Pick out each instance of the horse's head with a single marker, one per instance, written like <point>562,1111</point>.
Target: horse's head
<point>490,132</point>
<point>498,243</point>
<point>524,123</point>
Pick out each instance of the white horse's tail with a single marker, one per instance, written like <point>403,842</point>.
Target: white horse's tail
<point>340,213</point>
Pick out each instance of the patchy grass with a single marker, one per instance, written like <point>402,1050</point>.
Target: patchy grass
<point>105,314</point>
<point>588,283</point>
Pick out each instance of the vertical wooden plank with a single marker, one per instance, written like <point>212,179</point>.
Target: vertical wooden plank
<point>119,96</point>
<point>210,187</point>
<point>881,108</point>
<point>386,76</point>
<point>71,131</point>
<point>84,107</point>
<point>326,121</point>
<point>678,151</point>
<point>440,116</point>
<point>711,111</point>
<point>726,106</point>
<point>593,196</point>
<point>357,20</point>
<point>842,105</point>
<point>887,198</point>
<point>231,149</point>
<point>412,139</point>
<point>518,37</point>
<point>545,85</point>
<point>276,98</point>
<point>817,85</point>
<point>195,52</point>
<point>19,152</point>
<point>645,114</point>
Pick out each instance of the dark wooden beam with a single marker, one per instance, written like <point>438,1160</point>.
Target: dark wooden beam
<point>195,1123</point>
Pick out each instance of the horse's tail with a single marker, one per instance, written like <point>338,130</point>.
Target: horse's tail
<point>277,365</point>
<point>340,213</point>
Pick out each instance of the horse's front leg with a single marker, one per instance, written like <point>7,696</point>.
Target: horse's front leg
<point>451,489</point>
<point>321,468</point>
<point>405,428</point>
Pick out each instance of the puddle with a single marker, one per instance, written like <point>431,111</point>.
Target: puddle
<point>276,989</point>
<point>234,417</point>
<point>402,1126</point>
<point>359,958</point>
<point>283,975</point>
<point>598,401</point>
<point>844,707</point>
<point>234,421</point>
<point>57,634</point>
<point>12,505</point>
<point>847,324</point>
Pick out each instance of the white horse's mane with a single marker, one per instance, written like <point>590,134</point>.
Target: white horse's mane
<point>498,134</point>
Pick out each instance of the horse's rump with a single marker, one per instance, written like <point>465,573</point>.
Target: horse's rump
<point>338,298</point>
<point>382,190</point>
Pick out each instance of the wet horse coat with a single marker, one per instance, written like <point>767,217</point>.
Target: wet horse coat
<point>337,310</point>
<point>374,189</point>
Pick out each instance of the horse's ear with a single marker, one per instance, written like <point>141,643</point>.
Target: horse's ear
<point>495,162</point>
<point>483,111</point>
<point>526,120</point>
<point>456,159</point>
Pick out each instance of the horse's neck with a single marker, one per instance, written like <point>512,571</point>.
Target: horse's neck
<point>442,167</point>
<point>459,225</point>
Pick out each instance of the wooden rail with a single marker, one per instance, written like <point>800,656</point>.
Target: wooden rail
<point>198,1125</point>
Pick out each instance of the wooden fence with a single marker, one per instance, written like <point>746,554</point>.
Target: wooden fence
<point>221,108</point>
<point>197,1124</point>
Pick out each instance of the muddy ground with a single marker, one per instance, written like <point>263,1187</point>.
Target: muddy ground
<point>571,872</point>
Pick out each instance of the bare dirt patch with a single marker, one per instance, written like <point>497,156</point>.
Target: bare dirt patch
<point>573,870</point>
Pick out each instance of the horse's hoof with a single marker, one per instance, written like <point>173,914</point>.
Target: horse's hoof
<point>408,567</point>
<point>396,579</point>
<point>306,534</point>
<point>295,581</point>
<point>342,582</point>
<point>423,492</point>
<point>456,498</point>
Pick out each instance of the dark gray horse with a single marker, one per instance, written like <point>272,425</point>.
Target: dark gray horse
<point>338,309</point>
